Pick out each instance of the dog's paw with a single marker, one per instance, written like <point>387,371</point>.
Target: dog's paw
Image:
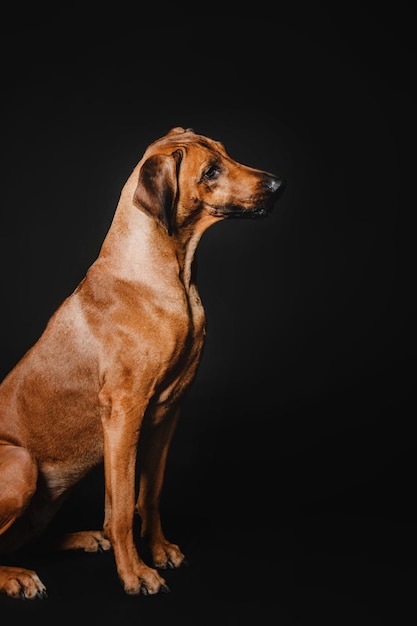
<point>21,583</point>
<point>145,582</point>
<point>167,555</point>
<point>87,540</point>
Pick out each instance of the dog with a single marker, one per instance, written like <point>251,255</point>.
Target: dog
<point>105,380</point>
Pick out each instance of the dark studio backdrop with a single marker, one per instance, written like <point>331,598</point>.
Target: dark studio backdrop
<point>291,480</point>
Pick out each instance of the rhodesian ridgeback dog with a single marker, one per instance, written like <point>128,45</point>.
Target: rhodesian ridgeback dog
<point>105,380</point>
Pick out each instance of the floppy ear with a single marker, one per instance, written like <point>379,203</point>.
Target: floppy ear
<point>157,188</point>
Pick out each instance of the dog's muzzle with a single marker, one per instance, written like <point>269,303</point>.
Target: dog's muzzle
<point>270,188</point>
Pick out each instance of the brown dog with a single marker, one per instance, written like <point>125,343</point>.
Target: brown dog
<point>110,370</point>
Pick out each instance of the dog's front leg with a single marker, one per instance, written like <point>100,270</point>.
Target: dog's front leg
<point>155,440</point>
<point>121,427</point>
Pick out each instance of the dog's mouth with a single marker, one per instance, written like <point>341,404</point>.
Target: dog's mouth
<point>234,211</point>
<point>256,213</point>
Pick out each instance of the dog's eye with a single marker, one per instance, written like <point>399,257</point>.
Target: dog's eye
<point>211,172</point>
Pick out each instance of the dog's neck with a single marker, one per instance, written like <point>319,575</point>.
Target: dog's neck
<point>139,249</point>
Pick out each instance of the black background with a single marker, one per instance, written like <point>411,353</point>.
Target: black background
<point>290,483</point>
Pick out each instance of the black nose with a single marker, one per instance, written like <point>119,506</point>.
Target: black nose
<point>275,185</point>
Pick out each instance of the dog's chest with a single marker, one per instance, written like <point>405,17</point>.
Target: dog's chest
<point>190,338</point>
<point>188,334</point>
<point>197,313</point>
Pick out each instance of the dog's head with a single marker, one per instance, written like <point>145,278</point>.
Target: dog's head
<point>186,179</point>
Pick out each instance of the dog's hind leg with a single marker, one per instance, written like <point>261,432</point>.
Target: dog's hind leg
<point>18,479</point>
<point>155,440</point>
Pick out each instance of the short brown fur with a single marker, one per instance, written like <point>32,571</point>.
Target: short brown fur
<point>108,374</point>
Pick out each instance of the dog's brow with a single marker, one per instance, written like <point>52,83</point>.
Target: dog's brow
<point>209,145</point>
